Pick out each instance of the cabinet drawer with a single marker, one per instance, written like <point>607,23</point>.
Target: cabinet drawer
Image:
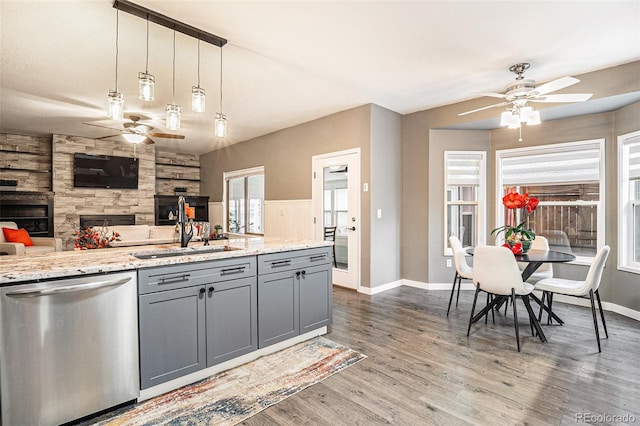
<point>180,276</point>
<point>279,262</point>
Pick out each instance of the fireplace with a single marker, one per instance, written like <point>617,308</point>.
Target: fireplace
<point>107,220</point>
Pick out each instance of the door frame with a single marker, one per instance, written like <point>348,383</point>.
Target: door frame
<point>317,200</point>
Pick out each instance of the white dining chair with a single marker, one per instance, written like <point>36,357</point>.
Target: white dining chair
<point>546,269</point>
<point>588,287</point>
<point>463,270</point>
<point>496,272</point>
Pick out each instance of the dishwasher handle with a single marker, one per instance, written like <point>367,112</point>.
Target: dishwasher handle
<point>53,290</point>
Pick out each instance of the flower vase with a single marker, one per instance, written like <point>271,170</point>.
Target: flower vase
<point>525,244</point>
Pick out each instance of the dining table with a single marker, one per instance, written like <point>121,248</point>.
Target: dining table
<point>534,259</point>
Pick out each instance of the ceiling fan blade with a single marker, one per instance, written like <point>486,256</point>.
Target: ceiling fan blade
<point>148,141</point>
<point>107,137</point>
<point>563,97</point>
<point>491,94</point>
<point>104,127</point>
<point>165,135</point>
<point>554,85</point>
<point>483,108</point>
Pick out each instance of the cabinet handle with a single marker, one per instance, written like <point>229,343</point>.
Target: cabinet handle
<point>211,289</point>
<point>168,280</point>
<point>237,270</point>
<point>318,257</point>
<point>281,263</point>
<point>297,273</point>
<point>303,273</point>
<point>202,291</point>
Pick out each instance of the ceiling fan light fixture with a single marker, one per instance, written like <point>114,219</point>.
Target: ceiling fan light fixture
<point>534,118</point>
<point>134,137</point>
<point>173,114</point>
<point>197,99</point>
<point>221,125</point>
<point>115,104</point>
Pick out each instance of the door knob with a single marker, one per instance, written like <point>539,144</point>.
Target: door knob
<point>353,228</point>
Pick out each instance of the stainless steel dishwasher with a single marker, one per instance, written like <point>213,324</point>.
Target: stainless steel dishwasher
<point>69,348</point>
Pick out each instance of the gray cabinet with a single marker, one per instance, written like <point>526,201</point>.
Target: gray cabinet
<point>232,330</point>
<point>195,315</point>
<point>172,334</point>
<point>294,293</point>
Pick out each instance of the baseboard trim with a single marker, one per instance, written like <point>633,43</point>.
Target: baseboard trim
<point>607,306</point>
<point>381,288</point>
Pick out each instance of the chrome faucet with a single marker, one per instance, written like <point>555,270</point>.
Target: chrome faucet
<point>185,237</point>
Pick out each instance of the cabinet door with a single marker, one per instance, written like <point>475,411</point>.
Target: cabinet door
<point>172,334</point>
<point>278,314</point>
<point>231,319</point>
<point>315,297</point>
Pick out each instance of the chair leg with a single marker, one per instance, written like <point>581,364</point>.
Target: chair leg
<point>486,317</point>
<point>473,308</point>
<point>458,296</point>
<point>544,295</point>
<point>604,323</point>
<point>335,261</point>
<point>595,319</point>
<point>515,316</point>
<point>493,315</point>
<point>550,302</point>
<point>455,278</point>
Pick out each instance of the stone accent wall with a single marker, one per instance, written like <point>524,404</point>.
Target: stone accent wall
<point>177,170</point>
<point>70,202</point>
<point>29,158</point>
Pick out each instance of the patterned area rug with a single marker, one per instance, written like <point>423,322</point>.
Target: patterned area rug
<point>234,395</point>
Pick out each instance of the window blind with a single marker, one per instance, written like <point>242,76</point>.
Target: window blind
<point>634,159</point>
<point>463,169</point>
<point>568,164</point>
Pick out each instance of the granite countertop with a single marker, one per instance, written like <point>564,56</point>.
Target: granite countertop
<point>16,269</point>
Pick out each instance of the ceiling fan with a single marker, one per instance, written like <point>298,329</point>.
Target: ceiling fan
<point>136,132</point>
<point>524,90</point>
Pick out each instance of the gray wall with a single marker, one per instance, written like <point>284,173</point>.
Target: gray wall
<point>386,194</point>
<point>439,142</point>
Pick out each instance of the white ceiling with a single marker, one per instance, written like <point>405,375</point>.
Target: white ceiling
<point>290,62</point>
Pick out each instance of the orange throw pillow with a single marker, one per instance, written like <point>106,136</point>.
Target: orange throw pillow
<point>17,236</point>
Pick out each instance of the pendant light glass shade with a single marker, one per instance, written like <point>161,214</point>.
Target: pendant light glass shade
<point>173,114</point>
<point>146,86</point>
<point>115,102</point>
<point>197,99</point>
<point>221,125</point>
<point>146,81</point>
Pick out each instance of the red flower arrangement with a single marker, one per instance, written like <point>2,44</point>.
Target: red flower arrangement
<point>515,235</point>
<point>88,238</point>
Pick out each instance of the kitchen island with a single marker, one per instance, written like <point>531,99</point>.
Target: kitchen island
<point>179,314</point>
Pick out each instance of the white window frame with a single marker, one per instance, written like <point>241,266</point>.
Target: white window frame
<point>540,149</point>
<point>626,205</point>
<point>480,203</point>
<point>259,170</point>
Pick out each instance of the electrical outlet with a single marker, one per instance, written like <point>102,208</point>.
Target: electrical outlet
<point>448,263</point>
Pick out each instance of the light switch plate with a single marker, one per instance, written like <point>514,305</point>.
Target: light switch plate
<point>365,187</point>
<point>379,213</point>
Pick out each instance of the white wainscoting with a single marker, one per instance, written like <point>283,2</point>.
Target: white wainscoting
<point>288,219</point>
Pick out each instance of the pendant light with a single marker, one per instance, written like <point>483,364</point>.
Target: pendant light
<point>220,127</point>
<point>146,81</point>
<point>173,111</point>
<point>115,100</point>
<point>197,92</point>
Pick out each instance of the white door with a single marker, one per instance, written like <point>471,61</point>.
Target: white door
<point>336,203</point>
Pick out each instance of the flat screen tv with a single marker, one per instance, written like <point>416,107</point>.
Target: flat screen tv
<point>104,171</point>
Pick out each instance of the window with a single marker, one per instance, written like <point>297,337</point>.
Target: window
<point>568,179</point>
<point>465,195</point>
<point>335,200</point>
<point>244,195</point>
<point>629,202</point>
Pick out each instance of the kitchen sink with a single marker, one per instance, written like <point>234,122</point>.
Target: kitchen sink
<point>184,251</point>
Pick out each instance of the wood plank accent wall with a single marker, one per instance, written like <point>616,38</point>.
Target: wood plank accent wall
<point>29,157</point>
<point>177,170</point>
<point>72,202</point>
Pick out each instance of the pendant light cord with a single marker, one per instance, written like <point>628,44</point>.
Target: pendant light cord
<point>146,66</point>
<point>174,65</point>
<point>198,62</point>
<point>117,35</point>
<point>220,80</point>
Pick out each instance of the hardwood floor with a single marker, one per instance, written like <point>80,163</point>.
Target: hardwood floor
<point>422,368</point>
